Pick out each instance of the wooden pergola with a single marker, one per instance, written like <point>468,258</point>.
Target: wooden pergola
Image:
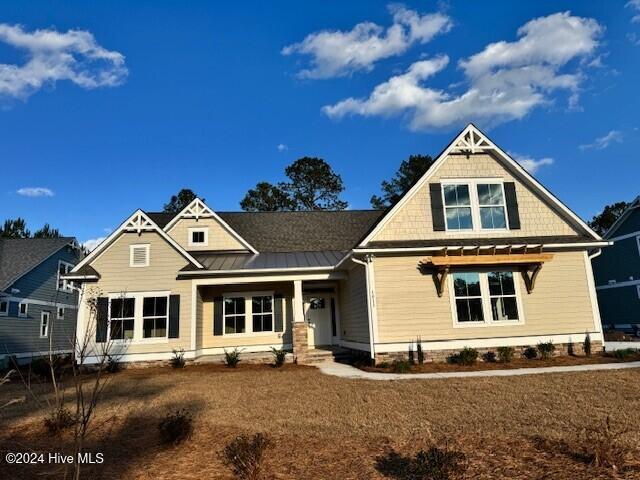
<point>528,263</point>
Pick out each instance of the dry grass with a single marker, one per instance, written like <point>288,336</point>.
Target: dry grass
<point>327,427</point>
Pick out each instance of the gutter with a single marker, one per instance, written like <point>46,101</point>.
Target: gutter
<point>368,267</point>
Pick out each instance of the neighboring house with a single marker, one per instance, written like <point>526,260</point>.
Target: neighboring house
<point>38,308</point>
<point>617,272</point>
<point>477,253</point>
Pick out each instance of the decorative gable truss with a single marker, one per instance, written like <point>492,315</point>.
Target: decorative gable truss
<point>137,223</point>
<point>197,209</point>
<point>471,140</point>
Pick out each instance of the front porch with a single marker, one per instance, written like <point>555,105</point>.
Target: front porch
<point>255,315</point>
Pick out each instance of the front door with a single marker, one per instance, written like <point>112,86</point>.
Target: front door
<point>317,313</point>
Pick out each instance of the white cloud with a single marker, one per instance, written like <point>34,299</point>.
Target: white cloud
<point>282,147</point>
<point>338,53</point>
<point>53,56</point>
<point>530,164</point>
<point>505,81</point>
<point>634,5</point>
<point>91,244</point>
<point>600,143</point>
<point>35,192</point>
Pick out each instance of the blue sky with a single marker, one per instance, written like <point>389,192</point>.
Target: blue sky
<point>107,107</point>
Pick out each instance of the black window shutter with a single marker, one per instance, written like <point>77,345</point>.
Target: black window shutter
<point>512,205</point>
<point>102,319</point>
<point>217,316</point>
<point>174,316</point>
<point>277,313</point>
<point>334,327</point>
<point>437,210</point>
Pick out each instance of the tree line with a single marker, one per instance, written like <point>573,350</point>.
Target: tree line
<point>311,184</point>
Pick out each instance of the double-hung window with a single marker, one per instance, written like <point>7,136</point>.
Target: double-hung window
<point>44,324</point>
<point>122,318</point>
<point>23,309</point>
<point>154,317</point>
<point>63,269</point>
<point>485,298</point>
<point>234,315</point>
<point>474,205</point>
<point>4,308</point>
<point>262,313</point>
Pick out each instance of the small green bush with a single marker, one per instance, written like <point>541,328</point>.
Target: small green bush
<point>244,456</point>
<point>177,360</point>
<point>419,351</point>
<point>623,353</point>
<point>383,365</point>
<point>530,353</point>
<point>434,464</point>
<point>489,357</point>
<point>401,366</point>
<point>232,358</point>
<point>176,427</point>
<point>58,420</point>
<point>113,365</point>
<point>587,345</point>
<point>546,349</point>
<point>505,354</point>
<point>279,356</point>
<point>466,356</point>
<point>412,359</point>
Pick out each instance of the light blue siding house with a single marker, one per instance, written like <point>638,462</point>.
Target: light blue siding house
<point>617,272</point>
<point>38,309</point>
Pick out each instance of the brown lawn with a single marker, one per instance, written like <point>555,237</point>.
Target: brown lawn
<point>330,428</point>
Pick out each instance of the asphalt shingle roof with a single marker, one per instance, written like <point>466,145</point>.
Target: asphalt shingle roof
<point>19,255</point>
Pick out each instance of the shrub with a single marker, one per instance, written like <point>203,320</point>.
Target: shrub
<point>466,356</point>
<point>505,354</point>
<point>279,356</point>
<point>412,359</point>
<point>419,351</point>
<point>176,427</point>
<point>58,420</point>
<point>489,356</point>
<point>383,365</point>
<point>113,365</point>
<point>177,360</point>
<point>244,455</point>
<point>434,464</point>
<point>530,353</point>
<point>401,366</point>
<point>546,349</point>
<point>570,350</point>
<point>623,353</point>
<point>587,345</point>
<point>601,445</point>
<point>232,358</point>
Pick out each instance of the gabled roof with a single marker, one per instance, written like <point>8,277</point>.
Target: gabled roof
<point>18,256</point>
<point>621,219</point>
<point>138,222</point>
<point>472,140</point>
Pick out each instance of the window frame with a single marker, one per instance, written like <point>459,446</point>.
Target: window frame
<point>147,248</point>
<point>193,230</point>
<point>486,299</point>
<point>66,284</point>
<point>155,317</point>
<point>44,314</point>
<point>248,313</point>
<point>26,309</point>
<point>476,220</point>
<point>60,316</point>
<point>4,313</point>
<point>138,318</point>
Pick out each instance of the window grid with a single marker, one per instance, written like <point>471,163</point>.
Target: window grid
<point>234,315</point>
<point>262,313</point>
<point>154,317</point>
<point>474,205</point>
<point>468,299</point>
<point>121,318</point>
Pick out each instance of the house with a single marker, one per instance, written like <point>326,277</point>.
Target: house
<point>38,308</point>
<point>617,272</point>
<point>477,253</point>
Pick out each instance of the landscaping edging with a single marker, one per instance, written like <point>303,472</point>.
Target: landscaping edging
<point>347,371</point>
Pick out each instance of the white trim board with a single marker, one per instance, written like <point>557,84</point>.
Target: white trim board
<point>40,302</point>
<point>482,144</point>
<point>628,283</point>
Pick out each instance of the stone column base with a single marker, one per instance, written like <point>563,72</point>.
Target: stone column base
<point>300,341</point>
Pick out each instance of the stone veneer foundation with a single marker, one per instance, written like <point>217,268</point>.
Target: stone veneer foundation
<point>300,341</point>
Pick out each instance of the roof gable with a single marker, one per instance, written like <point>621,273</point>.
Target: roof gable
<point>471,141</point>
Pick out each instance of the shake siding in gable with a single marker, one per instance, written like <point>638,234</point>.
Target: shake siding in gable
<point>353,306</point>
<point>164,263</point>
<point>413,221</point>
<point>219,237</point>
<point>408,305</point>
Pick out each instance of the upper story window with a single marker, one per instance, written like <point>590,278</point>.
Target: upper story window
<point>474,205</point>
<point>44,324</point>
<point>63,269</point>
<point>198,237</point>
<point>139,255</point>
<point>4,308</point>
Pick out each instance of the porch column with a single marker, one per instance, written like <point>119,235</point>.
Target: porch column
<point>300,341</point>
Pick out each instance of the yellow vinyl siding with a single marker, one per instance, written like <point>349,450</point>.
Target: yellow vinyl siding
<point>413,221</point>
<point>353,306</point>
<point>408,305</point>
<point>205,317</point>
<point>116,276</point>
<point>219,237</point>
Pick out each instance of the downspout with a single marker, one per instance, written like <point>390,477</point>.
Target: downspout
<point>597,253</point>
<point>370,301</point>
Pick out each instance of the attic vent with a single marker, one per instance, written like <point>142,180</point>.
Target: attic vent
<point>139,255</point>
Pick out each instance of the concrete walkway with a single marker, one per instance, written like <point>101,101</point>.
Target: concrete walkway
<point>347,371</point>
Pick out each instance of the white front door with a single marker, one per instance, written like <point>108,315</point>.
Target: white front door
<point>317,314</point>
